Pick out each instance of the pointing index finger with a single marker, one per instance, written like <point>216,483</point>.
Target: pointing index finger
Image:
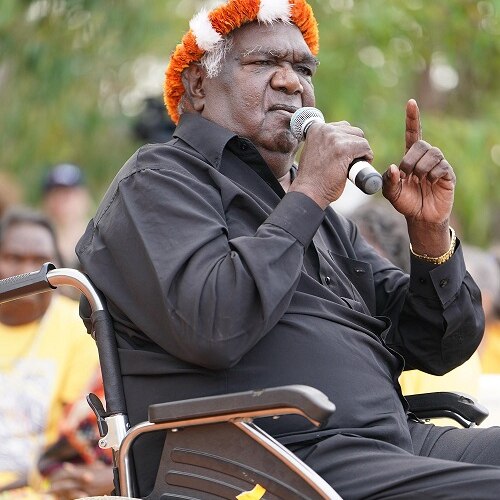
<point>413,126</point>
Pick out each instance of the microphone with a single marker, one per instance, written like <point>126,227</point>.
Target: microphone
<point>360,172</point>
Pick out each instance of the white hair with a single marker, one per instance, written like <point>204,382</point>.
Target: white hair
<point>212,59</point>
<point>211,62</point>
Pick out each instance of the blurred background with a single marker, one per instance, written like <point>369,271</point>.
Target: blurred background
<point>80,82</point>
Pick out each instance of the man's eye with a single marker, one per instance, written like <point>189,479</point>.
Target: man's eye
<point>262,62</point>
<point>305,70</point>
<point>11,258</point>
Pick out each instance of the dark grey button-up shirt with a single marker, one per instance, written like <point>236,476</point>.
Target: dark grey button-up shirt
<point>218,281</point>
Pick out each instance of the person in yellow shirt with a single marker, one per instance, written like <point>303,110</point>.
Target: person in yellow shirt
<point>46,356</point>
<point>489,283</point>
<point>490,348</point>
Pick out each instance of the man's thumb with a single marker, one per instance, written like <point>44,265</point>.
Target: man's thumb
<point>391,178</point>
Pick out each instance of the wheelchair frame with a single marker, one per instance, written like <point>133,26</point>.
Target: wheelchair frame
<point>227,412</point>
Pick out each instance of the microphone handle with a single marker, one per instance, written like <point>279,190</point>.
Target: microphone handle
<point>364,176</point>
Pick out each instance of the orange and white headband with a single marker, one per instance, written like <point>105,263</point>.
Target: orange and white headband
<point>208,29</point>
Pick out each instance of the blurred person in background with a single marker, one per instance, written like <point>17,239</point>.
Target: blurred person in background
<point>46,356</point>
<point>75,466</point>
<point>67,202</point>
<point>153,125</point>
<point>386,231</point>
<point>485,268</point>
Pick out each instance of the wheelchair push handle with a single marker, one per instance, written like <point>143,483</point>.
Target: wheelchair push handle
<point>22,285</point>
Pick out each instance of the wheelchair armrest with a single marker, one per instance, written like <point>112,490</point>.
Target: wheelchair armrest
<point>298,399</point>
<point>462,408</point>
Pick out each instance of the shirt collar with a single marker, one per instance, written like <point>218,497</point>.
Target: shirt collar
<point>204,136</point>
<point>210,140</point>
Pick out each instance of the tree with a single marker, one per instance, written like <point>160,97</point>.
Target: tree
<point>73,74</point>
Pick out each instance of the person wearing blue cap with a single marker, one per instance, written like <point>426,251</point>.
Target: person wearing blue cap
<point>66,200</point>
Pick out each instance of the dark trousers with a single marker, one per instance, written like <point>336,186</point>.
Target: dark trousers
<point>447,463</point>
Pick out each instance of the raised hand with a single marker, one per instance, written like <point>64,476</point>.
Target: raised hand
<point>423,185</point>
<point>422,189</point>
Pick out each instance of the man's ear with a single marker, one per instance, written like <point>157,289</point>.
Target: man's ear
<point>193,78</point>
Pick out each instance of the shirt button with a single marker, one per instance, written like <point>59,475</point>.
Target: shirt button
<point>328,280</point>
<point>443,282</point>
<point>244,146</point>
<point>422,280</point>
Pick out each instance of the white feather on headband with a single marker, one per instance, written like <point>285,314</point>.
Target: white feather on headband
<point>274,10</point>
<point>206,36</point>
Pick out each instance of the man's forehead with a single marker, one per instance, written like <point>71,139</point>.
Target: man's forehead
<point>278,39</point>
<point>303,55</point>
<point>26,236</point>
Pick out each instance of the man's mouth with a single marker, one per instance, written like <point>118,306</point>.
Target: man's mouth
<point>284,107</point>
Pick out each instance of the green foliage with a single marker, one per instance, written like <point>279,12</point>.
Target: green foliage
<point>376,55</point>
<point>72,73</point>
<point>67,68</point>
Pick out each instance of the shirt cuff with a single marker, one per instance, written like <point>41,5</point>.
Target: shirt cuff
<point>298,215</point>
<point>444,280</point>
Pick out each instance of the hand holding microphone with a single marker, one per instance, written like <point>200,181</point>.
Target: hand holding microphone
<point>360,172</point>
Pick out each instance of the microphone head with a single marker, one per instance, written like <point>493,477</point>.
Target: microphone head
<point>302,118</point>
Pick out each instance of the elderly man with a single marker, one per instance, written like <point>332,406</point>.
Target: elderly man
<point>225,269</point>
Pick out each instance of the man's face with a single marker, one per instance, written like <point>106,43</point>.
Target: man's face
<point>265,77</point>
<point>24,248</point>
<point>66,204</point>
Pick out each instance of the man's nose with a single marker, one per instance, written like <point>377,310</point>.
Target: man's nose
<point>285,79</point>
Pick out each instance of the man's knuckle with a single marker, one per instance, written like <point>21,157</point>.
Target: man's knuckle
<point>422,145</point>
<point>436,153</point>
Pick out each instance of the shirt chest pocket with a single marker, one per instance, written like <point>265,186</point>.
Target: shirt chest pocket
<point>351,279</point>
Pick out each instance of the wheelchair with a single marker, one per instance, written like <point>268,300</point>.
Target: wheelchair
<point>213,449</point>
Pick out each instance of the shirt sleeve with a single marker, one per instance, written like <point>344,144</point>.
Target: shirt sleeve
<point>200,295</point>
<point>437,320</point>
